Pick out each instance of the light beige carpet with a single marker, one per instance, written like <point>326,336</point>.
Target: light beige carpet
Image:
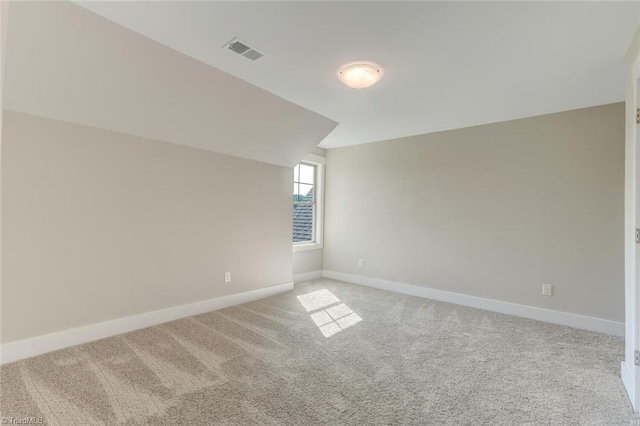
<point>329,353</point>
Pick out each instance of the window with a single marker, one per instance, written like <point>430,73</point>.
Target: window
<point>307,204</point>
<point>304,203</point>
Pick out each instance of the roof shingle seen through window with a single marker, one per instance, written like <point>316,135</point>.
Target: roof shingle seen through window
<point>303,220</point>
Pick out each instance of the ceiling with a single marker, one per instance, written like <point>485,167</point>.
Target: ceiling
<point>66,63</point>
<point>447,64</point>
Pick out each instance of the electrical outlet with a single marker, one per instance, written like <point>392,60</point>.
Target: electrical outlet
<point>227,277</point>
<point>360,263</point>
<point>547,290</point>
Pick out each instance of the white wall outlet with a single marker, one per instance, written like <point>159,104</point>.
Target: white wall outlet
<point>547,290</point>
<point>360,263</point>
<point>227,277</point>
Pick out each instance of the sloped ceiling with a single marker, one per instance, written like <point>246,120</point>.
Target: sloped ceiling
<point>448,64</point>
<point>67,63</point>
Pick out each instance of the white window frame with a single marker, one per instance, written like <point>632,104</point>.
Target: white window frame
<point>318,219</point>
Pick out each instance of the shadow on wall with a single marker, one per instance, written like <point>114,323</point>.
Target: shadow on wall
<point>330,317</point>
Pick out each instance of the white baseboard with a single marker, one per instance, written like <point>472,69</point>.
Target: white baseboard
<point>572,320</point>
<point>627,379</point>
<point>307,276</point>
<point>27,348</point>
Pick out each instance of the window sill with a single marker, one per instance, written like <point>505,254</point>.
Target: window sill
<point>307,246</point>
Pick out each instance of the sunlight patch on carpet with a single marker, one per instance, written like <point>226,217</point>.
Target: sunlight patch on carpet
<point>333,319</point>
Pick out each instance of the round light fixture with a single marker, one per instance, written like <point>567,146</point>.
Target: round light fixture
<point>360,75</point>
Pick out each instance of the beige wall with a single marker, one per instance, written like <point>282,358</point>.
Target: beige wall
<point>3,50</point>
<point>307,261</point>
<point>491,211</point>
<point>99,225</point>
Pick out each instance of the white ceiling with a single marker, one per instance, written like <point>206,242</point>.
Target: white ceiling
<point>447,64</point>
<point>66,63</point>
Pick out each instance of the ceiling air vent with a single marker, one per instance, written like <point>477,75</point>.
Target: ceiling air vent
<point>242,48</point>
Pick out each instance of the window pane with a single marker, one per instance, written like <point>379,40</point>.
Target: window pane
<point>296,192</point>
<point>303,192</point>
<point>306,192</point>
<point>302,224</point>
<point>307,173</point>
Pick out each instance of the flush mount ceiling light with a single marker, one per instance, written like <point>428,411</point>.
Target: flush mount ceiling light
<point>360,75</point>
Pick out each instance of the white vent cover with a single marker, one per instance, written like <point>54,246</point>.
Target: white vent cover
<point>242,48</point>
